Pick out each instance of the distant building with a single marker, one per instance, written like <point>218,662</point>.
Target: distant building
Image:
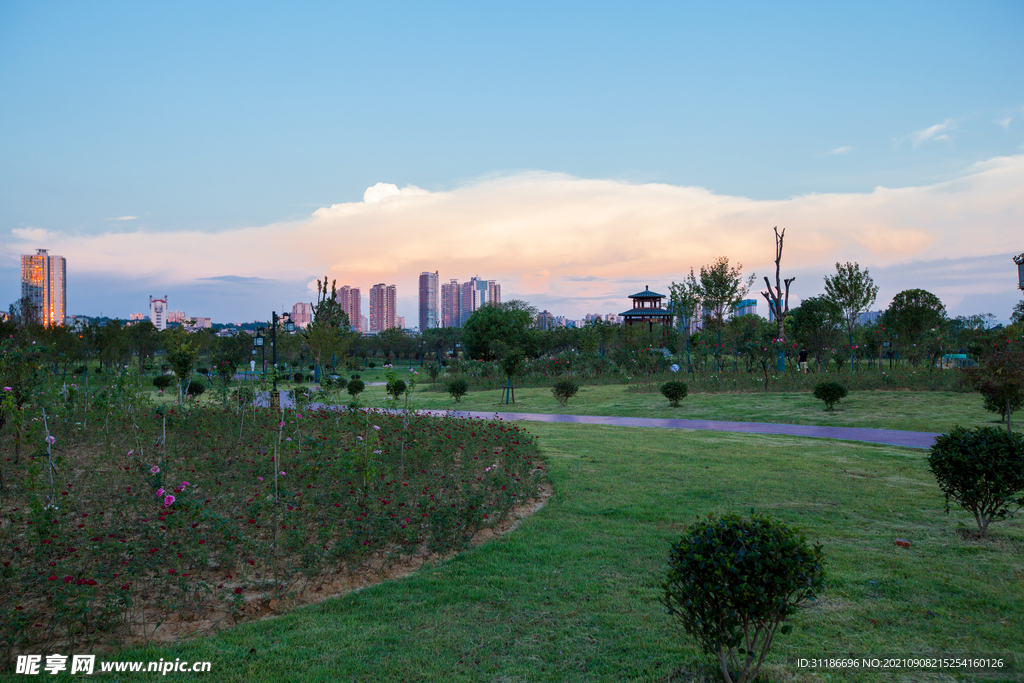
<point>470,300</point>
<point>43,282</point>
<point>745,307</point>
<point>382,307</point>
<point>400,322</point>
<point>158,312</point>
<point>868,317</point>
<point>175,316</point>
<point>363,323</point>
<point>136,317</point>
<point>302,314</point>
<point>545,321</point>
<point>613,318</point>
<point>493,292</point>
<point>201,323</point>
<point>350,299</point>
<point>451,304</point>
<point>793,303</point>
<point>429,318</point>
<point>561,321</point>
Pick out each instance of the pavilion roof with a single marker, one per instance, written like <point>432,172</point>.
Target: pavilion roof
<point>647,294</point>
<point>647,313</point>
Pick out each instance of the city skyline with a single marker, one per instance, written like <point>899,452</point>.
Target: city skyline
<point>572,159</point>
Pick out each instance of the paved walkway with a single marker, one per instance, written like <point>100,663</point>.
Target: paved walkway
<point>890,437</point>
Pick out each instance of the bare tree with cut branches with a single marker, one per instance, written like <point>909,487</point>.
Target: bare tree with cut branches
<point>778,299</point>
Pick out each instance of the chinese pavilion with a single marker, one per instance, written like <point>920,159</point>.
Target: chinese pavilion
<point>647,309</point>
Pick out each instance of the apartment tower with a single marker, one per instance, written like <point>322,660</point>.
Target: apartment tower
<point>428,301</point>
<point>451,304</point>
<point>158,312</point>
<point>350,299</point>
<point>382,307</point>
<point>43,282</point>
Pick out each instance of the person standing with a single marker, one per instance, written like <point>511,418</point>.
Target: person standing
<point>803,360</point>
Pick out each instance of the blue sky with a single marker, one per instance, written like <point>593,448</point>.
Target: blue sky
<point>186,119</point>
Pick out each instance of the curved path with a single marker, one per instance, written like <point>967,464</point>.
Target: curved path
<point>890,437</point>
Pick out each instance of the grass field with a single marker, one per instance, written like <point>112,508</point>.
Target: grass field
<point>573,594</point>
<point>925,411</point>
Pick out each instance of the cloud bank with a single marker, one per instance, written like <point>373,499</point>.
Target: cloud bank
<point>559,237</point>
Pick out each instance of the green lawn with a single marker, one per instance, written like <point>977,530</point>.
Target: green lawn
<point>573,594</point>
<point>925,411</point>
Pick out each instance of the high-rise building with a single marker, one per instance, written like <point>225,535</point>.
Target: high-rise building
<point>43,282</point>
<point>302,314</point>
<point>429,318</point>
<point>400,322</point>
<point>493,292</point>
<point>382,307</point>
<point>451,304</point>
<point>175,317</point>
<point>137,317</point>
<point>158,312</point>
<point>350,299</point>
<point>545,320</point>
<point>745,307</point>
<point>470,300</point>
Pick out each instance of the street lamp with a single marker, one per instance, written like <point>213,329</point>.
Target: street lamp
<point>257,342</point>
<point>1019,260</point>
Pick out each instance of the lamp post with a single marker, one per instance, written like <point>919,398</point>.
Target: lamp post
<point>285,320</point>
<point>1019,260</point>
<point>257,342</point>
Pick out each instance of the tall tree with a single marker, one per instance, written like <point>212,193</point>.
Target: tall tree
<point>852,291</point>
<point>509,323</point>
<point>327,334</point>
<point>684,301</point>
<point>778,299</point>
<point>720,287</point>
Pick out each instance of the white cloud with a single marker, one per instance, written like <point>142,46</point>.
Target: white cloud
<point>1005,123</point>
<point>936,132</point>
<point>840,150</point>
<point>124,218</point>
<point>536,232</point>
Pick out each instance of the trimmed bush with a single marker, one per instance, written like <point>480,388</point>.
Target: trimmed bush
<point>982,469</point>
<point>371,365</point>
<point>674,391</point>
<point>564,389</point>
<point>298,377</point>
<point>163,381</point>
<point>733,581</point>
<point>355,387</point>
<point>830,393</point>
<point>458,388</point>
<point>196,387</point>
<point>395,388</point>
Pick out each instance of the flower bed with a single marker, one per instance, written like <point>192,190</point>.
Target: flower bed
<point>171,516</point>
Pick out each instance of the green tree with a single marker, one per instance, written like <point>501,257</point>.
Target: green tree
<point>852,291</point>
<point>1017,317</point>
<point>143,340</point>
<point>509,323</point>
<point>684,301</point>
<point>328,335</point>
<point>719,288</point>
<point>817,323</point>
<point>912,313</point>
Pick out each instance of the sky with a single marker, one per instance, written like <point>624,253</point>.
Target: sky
<point>229,154</point>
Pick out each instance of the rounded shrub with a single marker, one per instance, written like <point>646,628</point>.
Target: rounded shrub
<point>196,387</point>
<point>298,377</point>
<point>163,381</point>
<point>458,388</point>
<point>372,365</point>
<point>830,393</point>
<point>674,391</point>
<point>395,388</point>
<point>982,469</point>
<point>564,389</point>
<point>355,387</point>
<point>733,581</point>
